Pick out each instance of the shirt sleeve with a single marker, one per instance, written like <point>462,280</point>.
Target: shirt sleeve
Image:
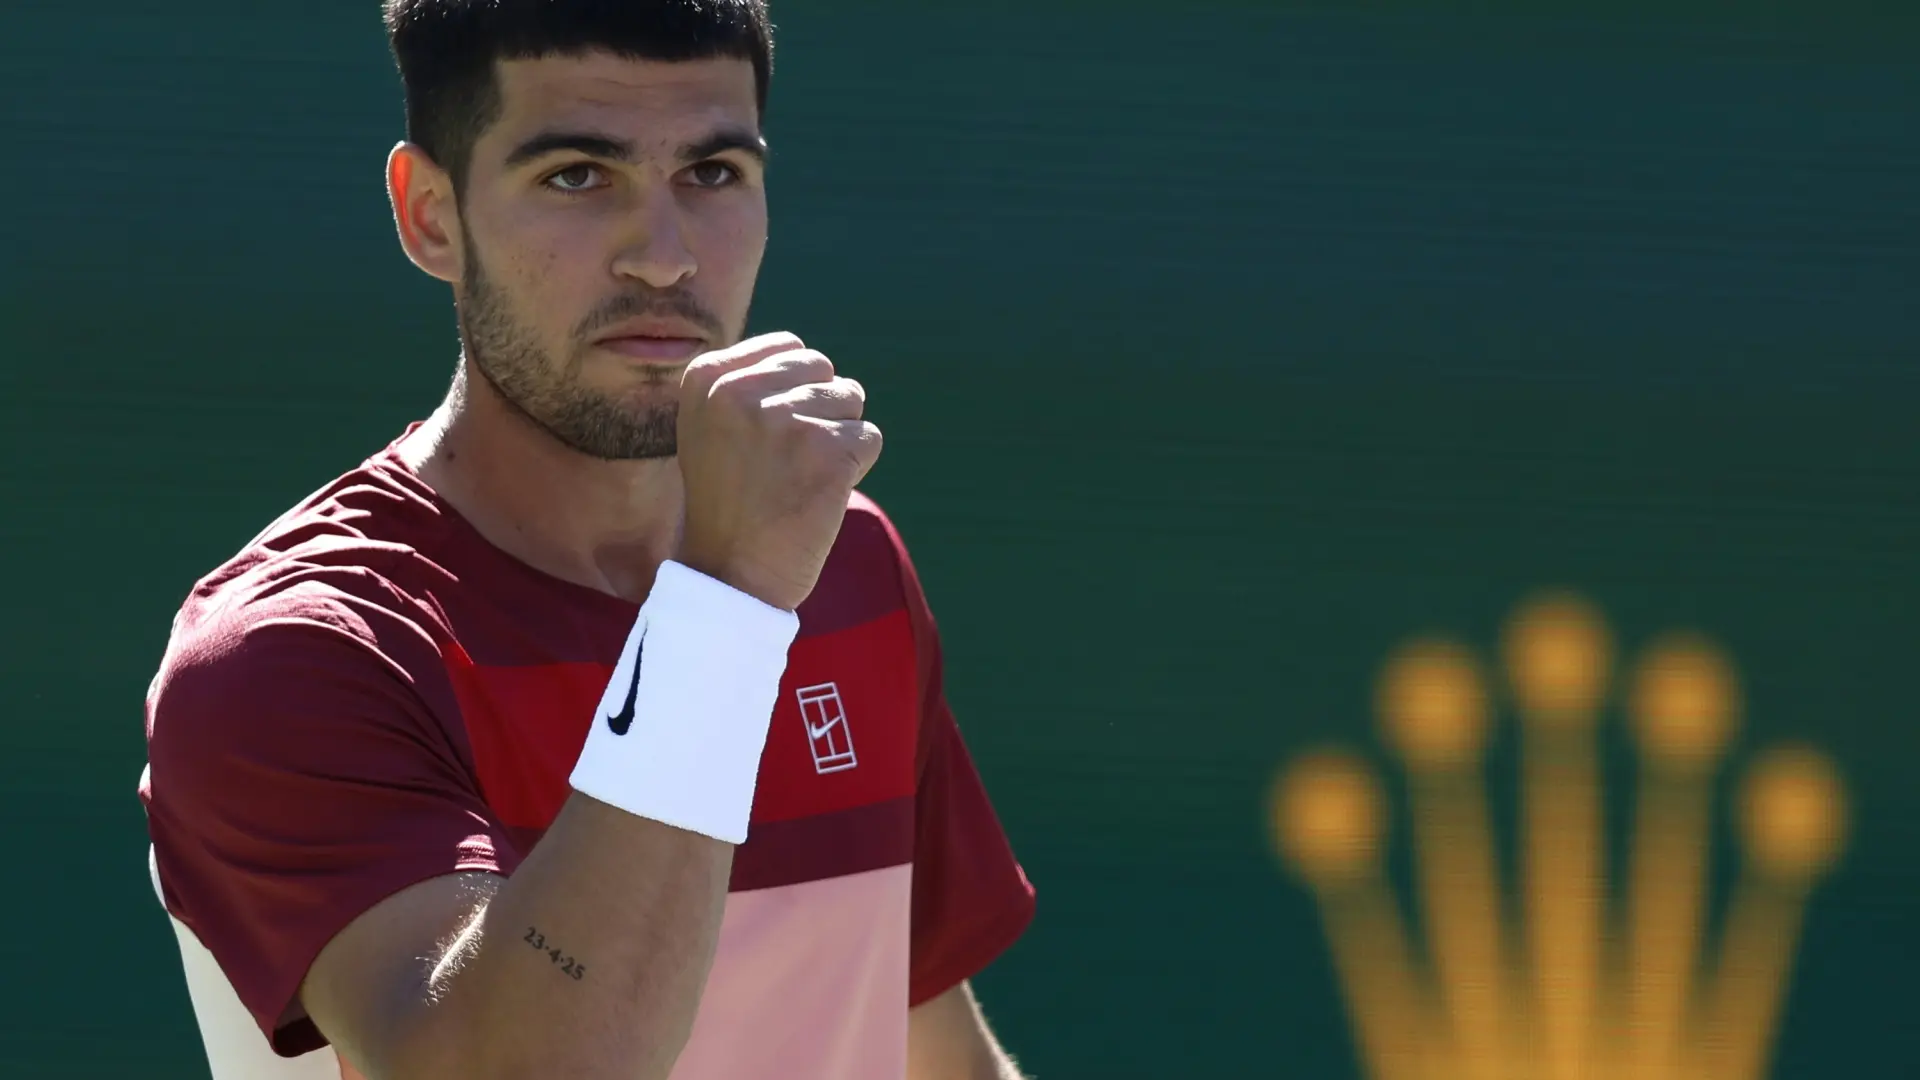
<point>971,898</point>
<point>297,777</point>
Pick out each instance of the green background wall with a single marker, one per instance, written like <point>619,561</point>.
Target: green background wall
<point>1220,346</point>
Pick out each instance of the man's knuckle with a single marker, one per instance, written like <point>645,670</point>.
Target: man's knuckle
<point>813,362</point>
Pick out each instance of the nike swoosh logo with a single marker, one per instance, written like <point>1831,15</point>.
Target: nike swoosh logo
<point>621,722</point>
<point>816,732</point>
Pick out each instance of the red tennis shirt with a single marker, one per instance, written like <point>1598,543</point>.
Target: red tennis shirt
<point>371,694</point>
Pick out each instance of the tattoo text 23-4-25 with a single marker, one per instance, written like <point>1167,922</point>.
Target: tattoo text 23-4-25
<point>567,963</point>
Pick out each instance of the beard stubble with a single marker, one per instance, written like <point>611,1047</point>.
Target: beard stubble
<point>549,391</point>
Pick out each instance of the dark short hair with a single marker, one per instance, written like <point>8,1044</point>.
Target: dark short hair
<point>447,51</point>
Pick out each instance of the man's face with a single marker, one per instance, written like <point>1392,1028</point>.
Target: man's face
<point>614,218</point>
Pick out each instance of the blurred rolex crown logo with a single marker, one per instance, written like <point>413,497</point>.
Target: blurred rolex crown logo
<point>1556,974</point>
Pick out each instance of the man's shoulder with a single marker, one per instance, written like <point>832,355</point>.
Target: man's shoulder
<point>867,530</point>
<point>320,616</point>
<point>355,555</point>
<point>377,512</point>
<point>864,576</point>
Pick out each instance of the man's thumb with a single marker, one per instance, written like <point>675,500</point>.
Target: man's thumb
<point>708,368</point>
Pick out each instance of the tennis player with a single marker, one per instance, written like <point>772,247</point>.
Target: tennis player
<point>594,727</point>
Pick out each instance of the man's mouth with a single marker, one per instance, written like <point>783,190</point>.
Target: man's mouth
<point>658,339</point>
<point>655,348</point>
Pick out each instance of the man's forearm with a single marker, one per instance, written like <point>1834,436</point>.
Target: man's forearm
<point>589,962</point>
<point>591,959</point>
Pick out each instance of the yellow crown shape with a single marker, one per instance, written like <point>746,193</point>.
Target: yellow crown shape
<point>1572,986</point>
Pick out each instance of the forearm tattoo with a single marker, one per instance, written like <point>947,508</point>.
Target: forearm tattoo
<point>567,964</point>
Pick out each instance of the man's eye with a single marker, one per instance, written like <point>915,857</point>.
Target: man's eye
<point>575,178</point>
<point>713,174</point>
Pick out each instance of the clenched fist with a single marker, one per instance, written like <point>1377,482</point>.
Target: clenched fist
<point>771,444</point>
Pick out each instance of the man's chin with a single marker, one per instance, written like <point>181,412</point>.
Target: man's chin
<point>615,430</point>
<point>603,448</point>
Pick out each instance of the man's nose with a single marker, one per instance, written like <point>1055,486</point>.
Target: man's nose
<point>657,252</point>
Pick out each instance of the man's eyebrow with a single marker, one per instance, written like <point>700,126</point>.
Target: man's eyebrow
<point>597,145</point>
<point>581,142</point>
<point>724,140</point>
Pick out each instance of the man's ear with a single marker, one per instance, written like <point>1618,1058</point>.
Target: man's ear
<point>424,211</point>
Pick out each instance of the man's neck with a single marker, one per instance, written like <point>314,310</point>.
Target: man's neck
<point>607,525</point>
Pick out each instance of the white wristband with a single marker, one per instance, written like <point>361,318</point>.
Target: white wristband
<point>680,730</point>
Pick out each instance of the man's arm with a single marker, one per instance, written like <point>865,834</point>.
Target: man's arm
<point>588,962</point>
<point>971,899</point>
<point>948,1039</point>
